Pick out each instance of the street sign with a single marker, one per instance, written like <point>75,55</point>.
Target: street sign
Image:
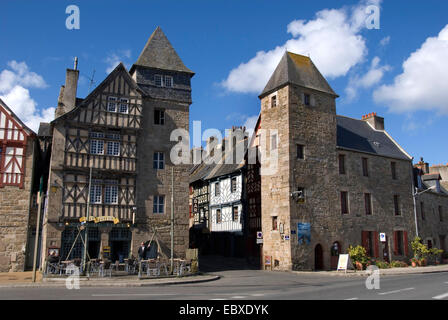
<point>259,241</point>
<point>259,235</point>
<point>382,237</point>
<point>286,237</point>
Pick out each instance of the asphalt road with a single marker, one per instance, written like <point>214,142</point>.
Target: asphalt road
<point>259,285</point>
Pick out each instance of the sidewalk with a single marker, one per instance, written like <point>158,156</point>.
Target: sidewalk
<point>383,272</point>
<point>23,280</point>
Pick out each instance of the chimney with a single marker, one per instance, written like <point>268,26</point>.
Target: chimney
<point>376,122</point>
<point>423,166</point>
<point>67,94</point>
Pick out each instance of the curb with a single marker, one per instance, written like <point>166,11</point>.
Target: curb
<point>365,274</point>
<point>103,283</point>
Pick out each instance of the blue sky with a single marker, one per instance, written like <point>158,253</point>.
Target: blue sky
<point>397,71</point>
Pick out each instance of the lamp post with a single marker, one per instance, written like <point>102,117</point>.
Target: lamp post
<point>414,196</point>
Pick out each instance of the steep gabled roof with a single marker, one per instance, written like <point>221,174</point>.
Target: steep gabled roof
<point>299,70</point>
<point>81,102</point>
<point>159,53</point>
<point>16,118</point>
<point>358,135</point>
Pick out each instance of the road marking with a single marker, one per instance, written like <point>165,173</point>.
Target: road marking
<point>218,299</point>
<point>257,294</point>
<point>237,297</point>
<point>131,294</point>
<point>395,291</point>
<point>352,299</point>
<point>441,296</point>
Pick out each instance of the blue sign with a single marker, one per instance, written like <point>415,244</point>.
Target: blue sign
<point>304,233</point>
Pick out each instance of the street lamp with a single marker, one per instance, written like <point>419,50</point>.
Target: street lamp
<point>414,196</point>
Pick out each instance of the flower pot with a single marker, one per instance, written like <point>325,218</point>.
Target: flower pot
<point>414,264</point>
<point>423,262</point>
<point>358,265</point>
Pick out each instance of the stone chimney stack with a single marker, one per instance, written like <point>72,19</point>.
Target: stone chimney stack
<point>67,94</point>
<point>422,165</point>
<point>376,122</point>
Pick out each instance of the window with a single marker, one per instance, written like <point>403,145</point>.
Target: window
<point>365,167</point>
<point>158,160</point>
<point>218,216</point>
<point>124,105</point>
<point>274,142</point>
<point>217,189</point>
<point>442,242</point>
<point>341,164</point>
<point>96,192</point>
<point>233,185</point>
<point>113,148</point>
<point>422,210</point>
<point>397,205</point>
<point>111,192</point>
<point>393,168</point>
<point>300,153</point>
<point>159,117</point>
<point>236,216</point>
<point>273,101</point>
<point>168,81</point>
<point>274,223</point>
<point>96,146</point>
<point>158,80</point>
<point>306,99</point>
<point>111,105</point>
<point>159,204</point>
<point>440,213</point>
<point>344,202</point>
<point>368,203</point>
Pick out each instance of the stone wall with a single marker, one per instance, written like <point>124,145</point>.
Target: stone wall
<point>14,216</point>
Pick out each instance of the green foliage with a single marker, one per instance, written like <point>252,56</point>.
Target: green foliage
<point>358,254</point>
<point>382,264</point>
<point>420,250</point>
<point>398,264</point>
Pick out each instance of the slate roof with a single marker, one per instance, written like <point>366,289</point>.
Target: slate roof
<point>159,53</point>
<point>299,70</point>
<point>44,129</point>
<point>359,135</point>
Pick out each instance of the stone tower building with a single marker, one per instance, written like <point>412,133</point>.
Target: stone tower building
<point>321,198</point>
<point>110,159</point>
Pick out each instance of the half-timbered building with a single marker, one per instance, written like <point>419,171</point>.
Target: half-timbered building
<point>18,149</point>
<point>110,165</point>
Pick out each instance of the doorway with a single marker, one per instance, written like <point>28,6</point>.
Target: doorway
<point>318,258</point>
<point>335,252</point>
<point>120,242</point>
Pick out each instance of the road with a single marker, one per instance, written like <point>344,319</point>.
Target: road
<point>259,285</point>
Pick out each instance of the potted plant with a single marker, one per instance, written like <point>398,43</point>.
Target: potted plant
<point>359,256</point>
<point>420,250</point>
<point>414,262</point>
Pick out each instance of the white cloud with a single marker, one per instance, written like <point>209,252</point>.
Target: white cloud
<point>385,41</point>
<point>332,40</point>
<point>368,80</point>
<point>115,58</point>
<point>14,91</point>
<point>422,85</point>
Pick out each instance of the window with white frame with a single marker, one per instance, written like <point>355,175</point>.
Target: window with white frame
<point>124,105</point>
<point>113,148</point>
<point>217,190</point>
<point>159,204</point>
<point>96,146</point>
<point>158,160</point>
<point>96,192</point>
<point>158,80</point>
<point>112,104</point>
<point>168,81</point>
<point>111,191</point>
